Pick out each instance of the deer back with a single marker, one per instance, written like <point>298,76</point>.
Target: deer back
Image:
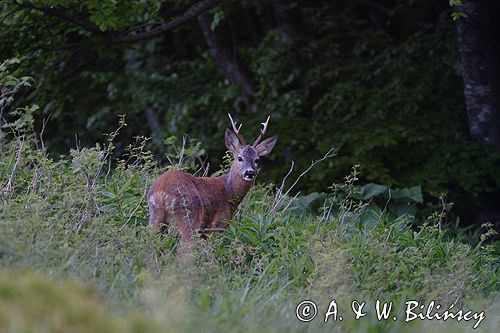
<point>197,198</point>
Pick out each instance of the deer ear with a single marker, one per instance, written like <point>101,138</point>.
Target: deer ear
<point>266,146</point>
<point>232,141</point>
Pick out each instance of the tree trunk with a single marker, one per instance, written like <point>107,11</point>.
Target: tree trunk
<point>153,122</point>
<point>479,51</point>
<point>221,48</point>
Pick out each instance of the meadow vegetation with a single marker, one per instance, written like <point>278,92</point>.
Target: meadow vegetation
<point>76,254</point>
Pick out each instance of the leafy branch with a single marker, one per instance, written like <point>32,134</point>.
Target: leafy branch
<point>114,37</point>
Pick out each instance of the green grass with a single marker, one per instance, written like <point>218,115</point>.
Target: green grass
<point>76,255</point>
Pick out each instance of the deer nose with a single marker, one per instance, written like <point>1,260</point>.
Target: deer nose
<point>249,174</point>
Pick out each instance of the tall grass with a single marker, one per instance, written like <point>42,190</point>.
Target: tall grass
<point>76,254</point>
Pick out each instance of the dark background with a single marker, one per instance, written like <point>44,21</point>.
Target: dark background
<point>409,90</point>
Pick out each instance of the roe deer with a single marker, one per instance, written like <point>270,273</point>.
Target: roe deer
<point>207,202</point>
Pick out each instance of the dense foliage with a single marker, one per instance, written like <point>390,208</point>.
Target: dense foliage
<point>74,219</point>
<point>379,81</point>
<point>76,254</point>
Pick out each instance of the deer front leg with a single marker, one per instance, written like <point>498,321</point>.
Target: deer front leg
<point>220,221</point>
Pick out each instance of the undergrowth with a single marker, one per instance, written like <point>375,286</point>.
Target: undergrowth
<point>76,254</point>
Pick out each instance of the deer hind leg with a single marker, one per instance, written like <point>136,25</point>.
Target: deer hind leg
<point>186,224</point>
<point>158,219</point>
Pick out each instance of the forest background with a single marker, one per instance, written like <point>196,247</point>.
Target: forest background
<point>380,81</point>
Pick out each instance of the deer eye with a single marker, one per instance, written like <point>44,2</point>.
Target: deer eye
<point>240,159</point>
<point>256,161</point>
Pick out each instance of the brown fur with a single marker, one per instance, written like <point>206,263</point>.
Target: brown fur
<point>205,202</point>
<point>194,202</point>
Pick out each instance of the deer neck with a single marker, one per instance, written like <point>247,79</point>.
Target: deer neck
<point>236,187</point>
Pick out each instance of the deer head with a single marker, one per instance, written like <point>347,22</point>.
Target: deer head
<point>247,157</point>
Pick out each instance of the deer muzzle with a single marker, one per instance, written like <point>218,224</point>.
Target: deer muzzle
<point>249,175</point>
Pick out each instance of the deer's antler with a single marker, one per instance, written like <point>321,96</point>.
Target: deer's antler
<point>236,130</point>
<point>262,131</point>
